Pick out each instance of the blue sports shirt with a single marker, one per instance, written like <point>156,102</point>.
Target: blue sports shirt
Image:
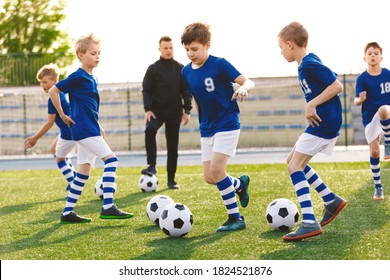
<point>64,129</point>
<point>84,103</point>
<point>378,93</point>
<point>212,87</point>
<point>314,78</point>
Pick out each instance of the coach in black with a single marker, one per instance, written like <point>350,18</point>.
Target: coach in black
<point>166,100</point>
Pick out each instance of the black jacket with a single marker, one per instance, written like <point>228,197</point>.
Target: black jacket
<point>163,88</point>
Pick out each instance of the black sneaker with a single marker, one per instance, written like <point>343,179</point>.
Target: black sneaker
<point>73,218</point>
<point>173,185</point>
<point>150,170</point>
<point>114,213</point>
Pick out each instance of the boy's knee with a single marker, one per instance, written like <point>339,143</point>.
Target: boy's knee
<point>384,112</point>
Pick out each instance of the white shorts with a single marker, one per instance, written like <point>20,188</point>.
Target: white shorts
<point>91,148</point>
<point>311,145</point>
<point>224,142</point>
<point>373,129</point>
<point>65,148</point>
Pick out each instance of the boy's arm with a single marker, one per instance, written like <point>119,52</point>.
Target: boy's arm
<point>54,95</point>
<point>311,113</point>
<point>246,85</point>
<point>32,140</point>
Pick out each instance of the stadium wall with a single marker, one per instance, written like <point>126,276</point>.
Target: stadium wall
<point>272,117</point>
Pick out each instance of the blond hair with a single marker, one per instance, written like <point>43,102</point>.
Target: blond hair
<point>49,70</point>
<point>296,33</point>
<point>83,43</point>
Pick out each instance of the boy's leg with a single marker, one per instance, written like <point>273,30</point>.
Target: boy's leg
<point>376,175</point>
<point>386,132</point>
<point>68,215</point>
<point>333,203</point>
<point>109,209</point>
<point>66,171</point>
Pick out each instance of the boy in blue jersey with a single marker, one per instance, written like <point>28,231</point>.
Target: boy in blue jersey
<point>373,93</point>
<point>210,81</point>
<point>81,86</point>
<point>323,113</point>
<point>63,146</point>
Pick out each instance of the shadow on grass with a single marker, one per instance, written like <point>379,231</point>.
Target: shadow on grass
<point>11,209</point>
<point>169,248</point>
<point>38,239</point>
<point>341,236</point>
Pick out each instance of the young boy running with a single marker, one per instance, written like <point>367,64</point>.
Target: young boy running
<point>87,132</point>
<point>323,113</point>
<point>210,81</point>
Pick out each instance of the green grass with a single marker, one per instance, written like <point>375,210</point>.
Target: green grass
<point>32,202</point>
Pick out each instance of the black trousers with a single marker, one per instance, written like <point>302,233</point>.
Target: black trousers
<point>172,127</point>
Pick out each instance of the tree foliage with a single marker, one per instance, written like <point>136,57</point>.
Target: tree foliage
<point>29,30</point>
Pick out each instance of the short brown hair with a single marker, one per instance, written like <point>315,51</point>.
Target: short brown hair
<point>375,45</point>
<point>165,39</point>
<point>196,32</point>
<point>49,70</point>
<point>296,33</point>
<point>83,43</point>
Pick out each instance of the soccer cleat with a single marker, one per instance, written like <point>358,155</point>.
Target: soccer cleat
<point>150,170</point>
<point>332,210</point>
<point>73,218</point>
<point>387,152</point>
<point>114,213</point>
<point>243,192</point>
<point>173,185</point>
<point>378,194</point>
<point>232,224</point>
<point>305,230</point>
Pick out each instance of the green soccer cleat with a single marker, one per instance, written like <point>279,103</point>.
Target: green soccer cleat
<point>243,194</point>
<point>232,224</point>
<point>114,213</point>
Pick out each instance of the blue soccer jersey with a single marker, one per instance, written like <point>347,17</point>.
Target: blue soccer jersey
<point>212,87</point>
<point>84,103</point>
<point>314,78</point>
<point>378,93</point>
<point>64,129</point>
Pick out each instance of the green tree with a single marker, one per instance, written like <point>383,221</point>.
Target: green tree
<point>30,37</point>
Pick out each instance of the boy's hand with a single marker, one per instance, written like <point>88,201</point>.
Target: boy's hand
<point>363,96</point>
<point>311,115</point>
<point>68,120</point>
<point>30,142</point>
<point>241,94</point>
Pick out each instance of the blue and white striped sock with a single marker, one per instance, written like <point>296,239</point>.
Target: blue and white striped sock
<point>75,191</point>
<point>315,181</point>
<point>109,173</point>
<point>228,195</point>
<point>66,170</point>
<point>376,171</point>
<point>236,183</point>
<point>303,193</point>
<point>71,166</point>
<point>386,130</point>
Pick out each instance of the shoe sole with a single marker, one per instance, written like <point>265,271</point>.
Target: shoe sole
<point>303,236</point>
<point>82,222</point>
<point>378,198</point>
<point>116,217</point>
<point>341,206</point>
<point>148,173</point>
<point>225,230</point>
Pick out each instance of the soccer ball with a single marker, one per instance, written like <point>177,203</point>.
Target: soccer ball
<point>155,206</point>
<point>176,220</point>
<point>148,183</point>
<point>282,214</point>
<point>99,188</point>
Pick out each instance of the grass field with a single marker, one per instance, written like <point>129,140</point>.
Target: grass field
<point>32,202</point>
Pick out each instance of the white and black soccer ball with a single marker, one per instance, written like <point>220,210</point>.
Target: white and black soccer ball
<point>148,183</point>
<point>99,188</point>
<point>282,214</point>
<point>176,220</point>
<point>156,205</point>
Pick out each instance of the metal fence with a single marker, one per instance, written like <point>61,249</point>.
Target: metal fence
<point>272,117</point>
